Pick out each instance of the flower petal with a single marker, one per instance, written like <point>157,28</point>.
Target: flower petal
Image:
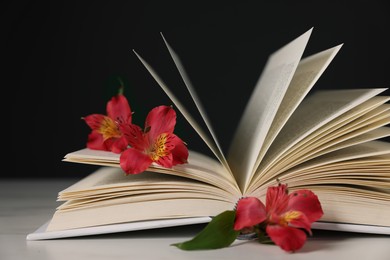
<point>288,238</point>
<point>119,145</point>
<point>306,202</point>
<point>118,109</point>
<point>160,150</point>
<point>96,142</point>
<point>134,136</point>
<point>161,119</point>
<point>277,199</point>
<point>165,161</point>
<point>94,121</point>
<point>250,211</point>
<point>133,161</point>
<point>180,152</point>
<point>297,219</point>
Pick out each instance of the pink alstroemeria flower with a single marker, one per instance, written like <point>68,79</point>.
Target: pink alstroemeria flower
<point>286,217</point>
<point>156,143</point>
<point>106,134</point>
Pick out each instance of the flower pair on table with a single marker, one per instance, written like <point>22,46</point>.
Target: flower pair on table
<point>139,148</point>
<point>285,220</point>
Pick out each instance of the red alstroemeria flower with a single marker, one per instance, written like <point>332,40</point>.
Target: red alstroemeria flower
<point>156,143</point>
<point>286,217</point>
<point>106,134</point>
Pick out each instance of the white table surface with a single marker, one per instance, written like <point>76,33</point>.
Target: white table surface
<point>27,204</point>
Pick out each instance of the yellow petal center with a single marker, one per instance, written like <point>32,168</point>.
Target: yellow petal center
<point>159,148</point>
<point>109,129</point>
<point>288,216</point>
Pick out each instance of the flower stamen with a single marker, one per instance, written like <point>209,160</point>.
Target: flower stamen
<point>159,149</point>
<point>109,129</point>
<point>288,217</point>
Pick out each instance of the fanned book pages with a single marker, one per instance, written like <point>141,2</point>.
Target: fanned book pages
<point>332,142</point>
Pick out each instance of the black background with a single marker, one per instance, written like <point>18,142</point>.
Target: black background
<point>62,60</point>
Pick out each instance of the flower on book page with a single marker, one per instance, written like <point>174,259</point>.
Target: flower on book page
<point>285,220</point>
<point>156,143</point>
<point>106,134</point>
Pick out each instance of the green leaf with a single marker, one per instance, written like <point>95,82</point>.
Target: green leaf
<point>218,233</point>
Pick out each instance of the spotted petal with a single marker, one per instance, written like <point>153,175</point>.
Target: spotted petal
<point>134,136</point>
<point>306,202</point>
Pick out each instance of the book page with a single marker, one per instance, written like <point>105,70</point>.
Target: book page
<point>344,181</point>
<point>368,160</point>
<point>262,107</point>
<point>196,100</point>
<point>327,141</point>
<point>308,72</point>
<point>176,207</point>
<point>199,167</point>
<point>108,185</point>
<point>365,168</point>
<point>344,205</point>
<point>346,130</point>
<point>313,113</point>
<point>107,196</point>
<point>351,172</point>
<point>211,143</point>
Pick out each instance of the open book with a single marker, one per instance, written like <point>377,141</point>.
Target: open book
<point>330,141</point>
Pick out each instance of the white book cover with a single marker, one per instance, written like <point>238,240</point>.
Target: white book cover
<point>42,234</point>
